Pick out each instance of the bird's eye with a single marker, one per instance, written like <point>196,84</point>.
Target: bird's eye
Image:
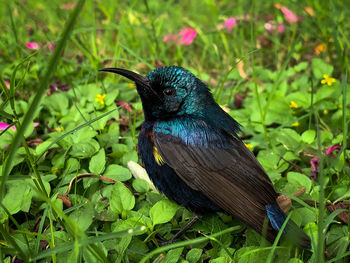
<point>169,92</point>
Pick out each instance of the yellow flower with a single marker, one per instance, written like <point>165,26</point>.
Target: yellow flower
<point>131,85</point>
<point>59,129</point>
<point>325,111</point>
<point>320,48</point>
<point>295,124</point>
<point>248,145</point>
<point>56,170</point>
<point>100,98</point>
<point>293,105</point>
<point>328,80</point>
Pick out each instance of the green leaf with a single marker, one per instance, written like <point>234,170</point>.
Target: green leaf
<point>84,134</point>
<point>140,173</point>
<point>250,254</point>
<point>295,260</point>
<point>308,136</point>
<point>57,103</point>
<point>140,185</point>
<point>122,246</point>
<point>219,260</point>
<point>163,211</point>
<point>85,149</point>
<point>128,223</point>
<point>18,196</point>
<point>98,162</point>
<point>324,93</point>
<point>91,257</point>
<point>117,172</point>
<point>50,69</point>
<point>173,255</point>
<point>83,217</point>
<point>299,180</point>
<point>212,224</point>
<point>72,165</point>
<point>307,214</point>
<point>136,250</point>
<point>289,138</point>
<point>36,195</point>
<point>130,156</point>
<point>311,229</point>
<point>194,255</point>
<point>301,66</point>
<point>320,67</point>
<point>121,198</point>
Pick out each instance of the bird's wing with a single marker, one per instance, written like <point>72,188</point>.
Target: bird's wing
<point>220,166</point>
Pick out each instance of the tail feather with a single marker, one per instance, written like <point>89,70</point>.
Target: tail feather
<point>291,231</point>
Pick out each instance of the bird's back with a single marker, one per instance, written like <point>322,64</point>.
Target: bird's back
<point>206,170</point>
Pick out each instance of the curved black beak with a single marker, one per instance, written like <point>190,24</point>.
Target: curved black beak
<point>137,78</point>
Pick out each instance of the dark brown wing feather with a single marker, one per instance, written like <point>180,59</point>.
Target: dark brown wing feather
<point>230,176</point>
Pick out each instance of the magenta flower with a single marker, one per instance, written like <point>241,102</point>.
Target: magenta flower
<point>187,36</point>
<point>3,126</point>
<point>331,149</point>
<point>125,105</point>
<point>230,23</point>
<point>281,29</point>
<point>32,45</point>
<point>52,46</point>
<point>314,168</point>
<point>315,161</point>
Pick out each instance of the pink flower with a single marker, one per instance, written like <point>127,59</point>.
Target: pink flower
<point>52,46</point>
<point>289,15</point>
<point>331,149</point>
<point>184,38</point>
<point>281,29</point>
<point>230,23</point>
<point>187,36</point>
<point>273,27</point>
<point>268,27</point>
<point>125,105</point>
<point>169,38</point>
<point>315,161</point>
<point>3,126</point>
<point>32,45</point>
<point>220,26</point>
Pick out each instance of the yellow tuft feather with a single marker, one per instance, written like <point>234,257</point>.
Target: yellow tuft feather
<point>157,156</point>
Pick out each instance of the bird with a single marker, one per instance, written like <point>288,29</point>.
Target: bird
<point>192,152</point>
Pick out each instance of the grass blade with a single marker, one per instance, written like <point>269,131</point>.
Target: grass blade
<point>40,93</point>
<point>84,242</point>
<point>189,242</point>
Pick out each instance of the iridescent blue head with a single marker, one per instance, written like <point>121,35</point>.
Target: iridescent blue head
<point>169,91</point>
